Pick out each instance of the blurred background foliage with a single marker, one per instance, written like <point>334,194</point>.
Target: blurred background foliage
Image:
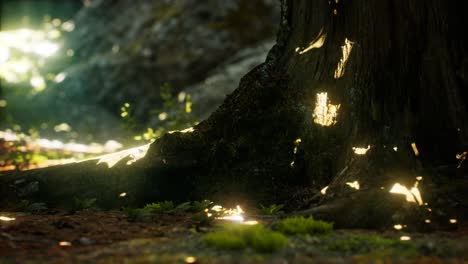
<point>82,78</point>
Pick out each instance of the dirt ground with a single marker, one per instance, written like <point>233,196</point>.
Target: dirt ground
<point>109,237</point>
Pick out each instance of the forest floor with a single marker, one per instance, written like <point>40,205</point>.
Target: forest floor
<point>109,237</point>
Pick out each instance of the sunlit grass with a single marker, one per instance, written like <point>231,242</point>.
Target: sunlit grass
<point>238,237</point>
<point>301,226</point>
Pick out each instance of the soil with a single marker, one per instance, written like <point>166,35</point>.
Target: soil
<point>109,237</point>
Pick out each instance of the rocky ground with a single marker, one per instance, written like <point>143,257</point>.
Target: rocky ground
<point>109,237</point>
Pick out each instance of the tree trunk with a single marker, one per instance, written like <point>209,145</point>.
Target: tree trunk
<point>395,77</point>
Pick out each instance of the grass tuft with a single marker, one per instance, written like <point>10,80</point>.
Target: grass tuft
<point>160,207</point>
<point>236,237</point>
<point>300,225</point>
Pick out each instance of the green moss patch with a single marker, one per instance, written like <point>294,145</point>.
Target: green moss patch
<point>301,225</point>
<point>237,237</point>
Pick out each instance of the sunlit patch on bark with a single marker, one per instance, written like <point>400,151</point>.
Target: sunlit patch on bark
<point>324,190</point>
<point>133,154</point>
<point>187,130</point>
<point>346,51</point>
<point>415,149</point>
<point>354,185</point>
<point>413,195</point>
<point>361,151</point>
<point>315,44</point>
<point>325,114</point>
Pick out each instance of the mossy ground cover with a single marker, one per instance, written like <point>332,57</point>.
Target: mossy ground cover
<point>238,237</point>
<point>109,237</point>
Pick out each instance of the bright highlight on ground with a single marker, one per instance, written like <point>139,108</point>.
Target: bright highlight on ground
<point>7,219</point>
<point>236,215</point>
<point>325,113</point>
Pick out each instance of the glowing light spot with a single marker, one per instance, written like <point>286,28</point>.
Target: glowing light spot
<point>361,151</point>
<point>413,195</point>
<point>233,214</point>
<point>3,103</point>
<point>56,22</point>
<point>398,227</point>
<point>115,49</point>
<point>324,190</point>
<point>187,130</point>
<point>65,244</point>
<point>427,221</point>
<point>335,11</point>
<point>251,222</point>
<point>419,178</point>
<point>217,208</point>
<point>68,26</point>
<point>395,148</point>
<point>405,238</point>
<point>315,44</point>
<point>297,141</point>
<point>38,83</point>
<point>453,221</point>
<point>4,54</point>
<point>21,66</point>
<point>292,164</point>
<point>415,149</point>
<point>63,127</point>
<point>133,154</point>
<point>462,157</point>
<point>60,77</point>
<point>325,114</point>
<point>190,260</point>
<point>46,48</point>
<point>354,184</point>
<point>70,53</point>
<point>181,97</point>
<point>123,194</point>
<point>54,34</point>
<point>162,116</point>
<point>346,51</point>
<point>7,219</point>
<point>188,104</point>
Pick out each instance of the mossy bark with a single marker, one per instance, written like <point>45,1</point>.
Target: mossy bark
<point>405,81</point>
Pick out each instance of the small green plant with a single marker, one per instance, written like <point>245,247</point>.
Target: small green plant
<point>84,204</point>
<point>181,208</point>
<point>274,209</point>
<point>160,207</point>
<point>27,206</point>
<point>137,214</point>
<point>302,225</point>
<point>237,237</point>
<point>358,244</point>
<point>201,219</point>
<point>200,206</point>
